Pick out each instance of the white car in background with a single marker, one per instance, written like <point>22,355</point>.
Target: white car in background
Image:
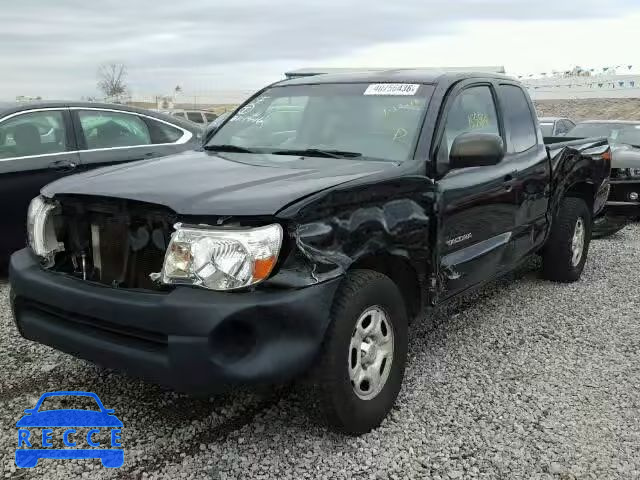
<point>202,117</point>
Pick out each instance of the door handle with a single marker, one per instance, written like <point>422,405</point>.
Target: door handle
<point>64,166</point>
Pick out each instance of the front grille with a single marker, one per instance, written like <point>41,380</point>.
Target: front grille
<point>116,243</point>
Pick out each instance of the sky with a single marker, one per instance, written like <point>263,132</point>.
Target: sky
<point>53,48</point>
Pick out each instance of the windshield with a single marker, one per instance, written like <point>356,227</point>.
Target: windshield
<point>628,133</point>
<point>547,129</point>
<point>354,119</point>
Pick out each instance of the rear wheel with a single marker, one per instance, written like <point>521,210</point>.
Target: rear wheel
<point>362,363</point>
<point>566,250</point>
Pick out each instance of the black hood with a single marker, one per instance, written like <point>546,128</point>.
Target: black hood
<point>204,183</point>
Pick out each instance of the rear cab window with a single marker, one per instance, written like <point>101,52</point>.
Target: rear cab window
<point>518,119</point>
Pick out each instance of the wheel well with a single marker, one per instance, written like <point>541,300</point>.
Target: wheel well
<point>583,190</point>
<point>402,273</point>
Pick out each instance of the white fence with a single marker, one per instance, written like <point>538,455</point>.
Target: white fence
<point>598,86</point>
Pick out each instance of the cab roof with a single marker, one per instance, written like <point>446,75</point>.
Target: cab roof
<point>422,76</point>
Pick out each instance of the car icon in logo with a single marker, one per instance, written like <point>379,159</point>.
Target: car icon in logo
<point>29,452</point>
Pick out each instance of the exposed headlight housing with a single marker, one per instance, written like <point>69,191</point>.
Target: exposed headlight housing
<point>41,230</point>
<point>633,172</point>
<point>221,258</point>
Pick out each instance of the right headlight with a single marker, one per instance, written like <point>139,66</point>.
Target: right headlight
<point>40,228</point>
<point>221,258</point>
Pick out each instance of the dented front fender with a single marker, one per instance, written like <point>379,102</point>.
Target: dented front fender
<point>331,231</point>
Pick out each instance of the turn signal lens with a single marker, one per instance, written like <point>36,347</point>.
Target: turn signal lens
<point>262,268</point>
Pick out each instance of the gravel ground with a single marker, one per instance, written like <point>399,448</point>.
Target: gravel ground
<point>526,379</point>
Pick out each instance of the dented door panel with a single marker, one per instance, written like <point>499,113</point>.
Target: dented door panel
<point>478,209</point>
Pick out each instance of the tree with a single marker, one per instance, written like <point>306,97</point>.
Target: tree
<point>111,79</point>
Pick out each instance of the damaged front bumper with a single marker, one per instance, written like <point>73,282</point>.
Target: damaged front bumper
<point>190,339</point>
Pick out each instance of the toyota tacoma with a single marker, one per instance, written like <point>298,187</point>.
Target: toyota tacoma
<point>320,219</point>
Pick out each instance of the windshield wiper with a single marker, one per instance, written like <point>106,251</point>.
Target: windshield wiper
<point>318,152</point>
<point>228,148</point>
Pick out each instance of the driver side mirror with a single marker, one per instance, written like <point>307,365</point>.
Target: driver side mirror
<point>476,150</point>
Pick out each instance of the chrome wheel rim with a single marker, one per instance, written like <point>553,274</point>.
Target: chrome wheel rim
<point>370,353</point>
<point>577,243</point>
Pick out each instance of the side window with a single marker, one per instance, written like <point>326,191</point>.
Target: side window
<point>210,117</point>
<point>36,133</point>
<point>473,110</point>
<point>162,132</point>
<point>104,129</point>
<point>519,125</point>
<point>195,117</point>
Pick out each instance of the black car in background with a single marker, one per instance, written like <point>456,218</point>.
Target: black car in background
<point>41,142</point>
<point>623,205</point>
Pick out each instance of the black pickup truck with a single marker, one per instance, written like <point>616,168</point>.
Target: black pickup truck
<point>307,251</point>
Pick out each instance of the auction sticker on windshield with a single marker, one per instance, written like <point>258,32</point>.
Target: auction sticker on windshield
<point>392,89</point>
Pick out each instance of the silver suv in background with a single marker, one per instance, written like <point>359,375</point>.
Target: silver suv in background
<point>201,117</point>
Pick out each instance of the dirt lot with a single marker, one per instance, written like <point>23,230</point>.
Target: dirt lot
<point>591,109</point>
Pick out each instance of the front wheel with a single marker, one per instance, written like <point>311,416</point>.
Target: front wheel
<point>362,363</point>
<point>566,250</point>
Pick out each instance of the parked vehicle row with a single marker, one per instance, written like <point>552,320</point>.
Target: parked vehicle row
<point>320,220</point>
<point>42,142</point>
<point>623,205</point>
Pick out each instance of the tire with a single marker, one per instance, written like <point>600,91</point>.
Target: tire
<point>560,263</point>
<point>606,226</point>
<point>364,299</point>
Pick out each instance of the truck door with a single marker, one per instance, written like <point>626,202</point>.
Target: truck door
<point>477,205</point>
<point>526,153</point>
